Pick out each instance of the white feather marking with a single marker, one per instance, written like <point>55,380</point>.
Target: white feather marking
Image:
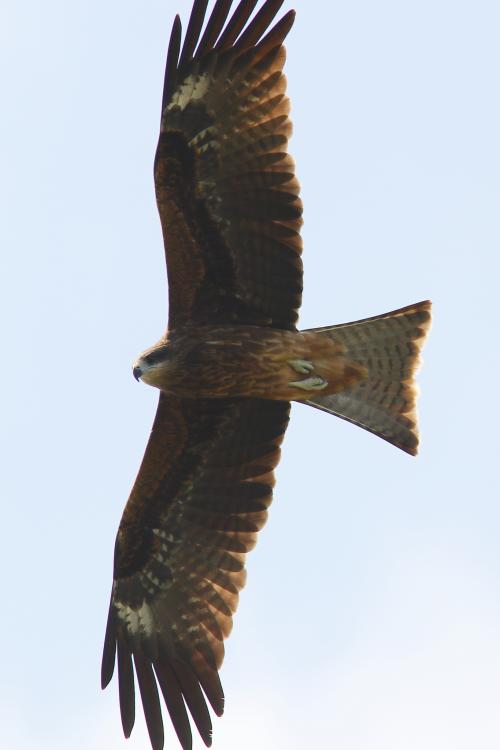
<point>169,537</point>
<point>137,620</point>
<point>159,532</point>
<point>194,87</point>
<point>160,585</point>
<point>205,138</point>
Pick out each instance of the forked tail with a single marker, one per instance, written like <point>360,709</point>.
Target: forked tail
<point>388,346</point>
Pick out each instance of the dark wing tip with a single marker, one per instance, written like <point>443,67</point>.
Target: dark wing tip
<point>282,28</point>
<point>126,689</point>
<point>174,47</point>
<point>174,702</point>
<point>277,35</point>
<point>193,32</point>
<point>236,24</point>
<point>107,666</point>
<point>211,684</point>
<point>109,651</point>
<point>259,24</point>
<point>195,700</point>
<point>150,700</point>
<point>214,27</point>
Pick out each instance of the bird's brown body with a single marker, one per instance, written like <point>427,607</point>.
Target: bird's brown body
<point>251,362</point>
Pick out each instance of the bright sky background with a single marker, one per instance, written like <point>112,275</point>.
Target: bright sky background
<point>371,618</point>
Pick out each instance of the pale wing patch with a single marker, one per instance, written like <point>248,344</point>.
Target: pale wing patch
<point>194,87</point>
<point>136,620</point>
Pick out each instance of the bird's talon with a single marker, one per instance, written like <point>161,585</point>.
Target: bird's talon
<point>314,383</point>
<point>302,366</point>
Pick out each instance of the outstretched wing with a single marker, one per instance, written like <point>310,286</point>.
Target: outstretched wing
<point>225,186</point>
<point>199,500</point>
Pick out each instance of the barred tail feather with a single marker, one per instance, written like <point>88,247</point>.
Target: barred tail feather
<point>388,346</point>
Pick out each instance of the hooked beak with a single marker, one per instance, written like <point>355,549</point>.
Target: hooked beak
<point>137,372</point>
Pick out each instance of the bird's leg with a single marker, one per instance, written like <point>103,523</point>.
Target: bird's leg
<point>302,366</point>
<point>313,383</point>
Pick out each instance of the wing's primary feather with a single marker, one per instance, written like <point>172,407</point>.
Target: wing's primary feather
<point>174,47</point>
<point>193,31</point>
<point>259,24</point>
<point>236,24</point>
<point>214,27</point>
<point>150,699</point>
<point>200,498</point>
<point>172,695</point>
<point>226,190</point>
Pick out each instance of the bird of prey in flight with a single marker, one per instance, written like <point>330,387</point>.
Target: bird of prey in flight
<point>229,365</point>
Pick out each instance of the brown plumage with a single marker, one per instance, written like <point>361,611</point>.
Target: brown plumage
<point>229,365</point>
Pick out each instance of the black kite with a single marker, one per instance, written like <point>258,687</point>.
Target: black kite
<point>229,365</point>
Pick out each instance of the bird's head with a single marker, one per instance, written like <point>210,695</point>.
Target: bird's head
<point>152,365</point>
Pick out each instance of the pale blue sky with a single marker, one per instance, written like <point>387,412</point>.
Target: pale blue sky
<point>371,617</point>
